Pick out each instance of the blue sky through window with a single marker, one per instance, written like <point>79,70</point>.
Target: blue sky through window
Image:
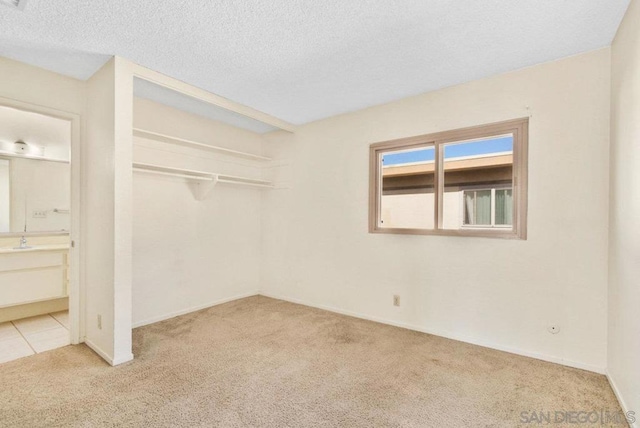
<point>473,148</point>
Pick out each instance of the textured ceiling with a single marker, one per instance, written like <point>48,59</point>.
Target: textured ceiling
<point>302,60</point>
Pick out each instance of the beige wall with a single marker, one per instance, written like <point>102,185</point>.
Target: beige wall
<point>34,85</point>
<point>499,293</point>
<point>624,245</point>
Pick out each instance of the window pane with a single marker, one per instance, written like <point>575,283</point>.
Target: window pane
<point>472,170</point>
<point>407,199</point>
<point>483,208</point>
<point>469,207</point>
<point>504,207</point>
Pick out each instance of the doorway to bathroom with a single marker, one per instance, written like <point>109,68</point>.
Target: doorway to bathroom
<point>40,295</point>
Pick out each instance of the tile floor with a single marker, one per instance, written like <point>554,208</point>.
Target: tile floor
<point>33,335</point>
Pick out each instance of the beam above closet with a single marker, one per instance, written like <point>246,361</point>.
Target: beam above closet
<point>208,97</point>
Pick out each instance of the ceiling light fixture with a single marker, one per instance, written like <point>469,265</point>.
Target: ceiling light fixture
<point>21,148</point>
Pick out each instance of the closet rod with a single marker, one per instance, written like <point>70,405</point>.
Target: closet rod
<point>200,175</point>
<point>245,183</point>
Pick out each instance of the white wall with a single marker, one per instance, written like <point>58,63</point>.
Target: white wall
<point>107,210</point>
<point>40,186</point>
<point>624,241</point>
<point>5,196</point>
<point>188,254</point>
<point>500,293</point>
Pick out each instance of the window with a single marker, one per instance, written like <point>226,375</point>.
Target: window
<point>469,182</point>
<point>488,208</point>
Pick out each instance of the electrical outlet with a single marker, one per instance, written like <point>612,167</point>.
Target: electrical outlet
<point>100,322</point>
<point>553,329</point>
<point>40,214</point>
<point>396,300</point>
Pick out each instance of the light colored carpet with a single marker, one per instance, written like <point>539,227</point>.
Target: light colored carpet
<point>268,363</point>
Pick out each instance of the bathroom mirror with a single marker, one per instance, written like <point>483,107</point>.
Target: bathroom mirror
<point>35,173</point>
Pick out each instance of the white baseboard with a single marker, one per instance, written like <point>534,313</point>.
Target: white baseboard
<point>123,359</point>
<point>95,348</point>
<point>112,361</point>
<point>623,403</point>
<point>448,335</point>
<point>192,309</point>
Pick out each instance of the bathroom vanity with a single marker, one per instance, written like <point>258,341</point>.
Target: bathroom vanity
<point>33,274</point>
<point>34,280</point>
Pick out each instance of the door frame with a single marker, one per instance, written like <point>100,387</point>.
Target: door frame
<point>76,291</point>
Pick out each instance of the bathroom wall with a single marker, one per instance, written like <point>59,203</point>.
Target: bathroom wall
<point>40,186</point>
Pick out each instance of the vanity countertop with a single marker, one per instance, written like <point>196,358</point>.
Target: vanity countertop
<point>56,247</point>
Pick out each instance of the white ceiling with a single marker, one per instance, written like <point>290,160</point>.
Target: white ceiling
<point>302,60</point>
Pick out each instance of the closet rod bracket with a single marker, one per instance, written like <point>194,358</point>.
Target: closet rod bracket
<point>205,187</point>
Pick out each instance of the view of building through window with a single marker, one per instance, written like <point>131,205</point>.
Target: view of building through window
<point>408,188</point>
<point>477,185</point>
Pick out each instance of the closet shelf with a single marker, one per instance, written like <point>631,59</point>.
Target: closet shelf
<point>142,133</point>
<point>207,180</point>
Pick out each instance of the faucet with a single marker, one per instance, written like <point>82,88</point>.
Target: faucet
<point>23,244</point>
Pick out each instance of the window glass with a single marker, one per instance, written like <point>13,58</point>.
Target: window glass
<point>407,199</point>
<point>463,182</point>
<point>504,207</point>
<point>477,174</point>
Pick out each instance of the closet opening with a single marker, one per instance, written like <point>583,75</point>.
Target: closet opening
<point>199,173</point>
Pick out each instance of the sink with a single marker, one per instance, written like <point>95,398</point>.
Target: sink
<point>33,248</point>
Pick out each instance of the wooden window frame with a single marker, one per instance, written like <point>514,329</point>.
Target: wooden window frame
<point>519,128</point>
